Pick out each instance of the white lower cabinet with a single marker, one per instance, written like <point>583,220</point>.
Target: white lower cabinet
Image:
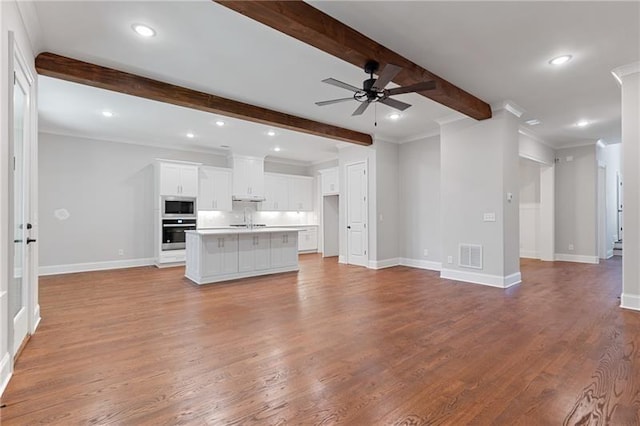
<point>308,239</point>
<point>221,253</point>
<point>284,249</point>
<point>254,252</point>
<point>216,255</point>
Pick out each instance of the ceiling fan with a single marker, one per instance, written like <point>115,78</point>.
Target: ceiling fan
<point>373,89</point>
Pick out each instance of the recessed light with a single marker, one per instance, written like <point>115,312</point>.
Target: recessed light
<point>582,123</point>
<point>224,146</point>
<point>271,133</point>
<point>276,149</point>
<point>219,123</point>
<point>394,116</point>
<point>533,122</point>
<point>107,113</point>
<point>191,135</point>
<point>143,30</point>
<point>560,60</point>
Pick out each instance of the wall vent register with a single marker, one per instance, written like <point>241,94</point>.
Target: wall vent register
<point>470,256</point>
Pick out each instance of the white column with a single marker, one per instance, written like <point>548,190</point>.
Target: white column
<point>629,78</point>
<point>546,240</point>
<point>480,197</point>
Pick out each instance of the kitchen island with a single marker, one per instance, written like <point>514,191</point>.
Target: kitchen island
<point>214,255</point>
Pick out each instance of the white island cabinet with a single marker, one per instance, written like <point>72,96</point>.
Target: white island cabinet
<point>215,255</point>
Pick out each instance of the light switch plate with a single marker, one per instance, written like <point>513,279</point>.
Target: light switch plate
<point>489,217</point>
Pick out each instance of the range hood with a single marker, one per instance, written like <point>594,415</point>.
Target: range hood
<point>253,199</point>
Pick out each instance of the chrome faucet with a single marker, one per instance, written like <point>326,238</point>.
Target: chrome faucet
<point>248,217</point>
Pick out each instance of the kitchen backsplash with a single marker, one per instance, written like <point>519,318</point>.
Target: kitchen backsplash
<point>211,219</point>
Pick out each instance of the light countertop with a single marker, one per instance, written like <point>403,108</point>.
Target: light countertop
<point>228,231</point>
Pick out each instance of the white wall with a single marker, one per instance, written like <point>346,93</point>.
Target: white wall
<point>630,77</point>
<point>386,202</point>
<point>107,188</point>
<point>479,163</point>
<point>419,201</point>
<point>576,210</point>
<point>533,148</point>
<point>11,20</point>
<point>529,208</point>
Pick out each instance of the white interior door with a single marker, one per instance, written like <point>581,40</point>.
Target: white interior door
<point>357,212</point>
<point>19,209</point>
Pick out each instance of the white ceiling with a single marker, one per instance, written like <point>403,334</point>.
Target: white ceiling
<point>497,51</point>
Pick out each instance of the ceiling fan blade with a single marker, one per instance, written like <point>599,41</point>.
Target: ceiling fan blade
<point>393,103</point>
<point>338,83</point>
<point>418,87</point>
<point>333,101</point>
<point>363,106</point>
<point>386,76</point>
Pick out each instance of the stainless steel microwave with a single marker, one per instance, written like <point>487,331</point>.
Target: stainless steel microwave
<point>179,206</point>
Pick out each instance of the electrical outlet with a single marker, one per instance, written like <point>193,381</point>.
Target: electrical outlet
<point>450,259</point>
<point>570,246</point>
<point>120,252</point>
<point>425,252</point>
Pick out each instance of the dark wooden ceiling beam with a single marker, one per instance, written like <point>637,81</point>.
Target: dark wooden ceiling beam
<point>76,71</point>
<point>309,25</point>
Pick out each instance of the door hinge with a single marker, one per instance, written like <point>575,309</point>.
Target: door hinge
<point>15,77</point>
<point>14,163</point>
<point>365,252</point>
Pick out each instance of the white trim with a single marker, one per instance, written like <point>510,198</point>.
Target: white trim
<point>626,70</point>
<point>508,106</point>
<point>576,145</point>
<point>450,118</point>
<point>419,137</point>
<point>5,371</point>
<point>94,266</point>
<point>36,319</point>
<point>576,258</point>
<point>630,301</point>
<point>533,135</point>
<point>191,163</point>
<point>484,279</point>
<point>386,263</point>
<point>529,254</point>
<point>287,161</point>
<point>78,135</point>
<point>342,259</point>
<point>609,253</point>
<point>421,264</point>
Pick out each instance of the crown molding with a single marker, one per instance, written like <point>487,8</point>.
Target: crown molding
<point>626,70</point>
<point>420,137</point>
<point>509,106</point>
<point>533,135</point>
<point>455,116</point>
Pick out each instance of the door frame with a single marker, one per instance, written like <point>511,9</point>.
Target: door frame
<point>18,64</point>
<point>603,244</point>
<point>346,209</point>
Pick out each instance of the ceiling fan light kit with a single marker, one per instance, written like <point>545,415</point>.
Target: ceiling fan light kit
<point>373,89</point>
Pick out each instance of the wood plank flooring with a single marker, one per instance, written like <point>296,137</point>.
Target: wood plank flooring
<point>332,344</point>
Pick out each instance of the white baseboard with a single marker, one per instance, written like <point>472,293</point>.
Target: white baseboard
<point>577,258</point>
<point>484,279</point>
<point>36,319</point>
<point>5,371</point>
<point>342,259</point>
<point>529,254</point>
<point>386,263</point>
<point>94,266</point>
<point>630,301</point>
<point>421,264</point>
<point>609,254</point>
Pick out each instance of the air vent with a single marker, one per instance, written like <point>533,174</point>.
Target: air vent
<point>470,256</point>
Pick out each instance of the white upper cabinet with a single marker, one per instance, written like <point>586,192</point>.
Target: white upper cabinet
<point>276,193</point>
<point>330,179</point>
<point>287,193</point>
<point>300,193</point>
<point>248,177</point>
<point>214,189</point>
<point>178,179</point>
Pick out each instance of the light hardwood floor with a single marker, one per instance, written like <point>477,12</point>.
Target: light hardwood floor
<point>332,344</point>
